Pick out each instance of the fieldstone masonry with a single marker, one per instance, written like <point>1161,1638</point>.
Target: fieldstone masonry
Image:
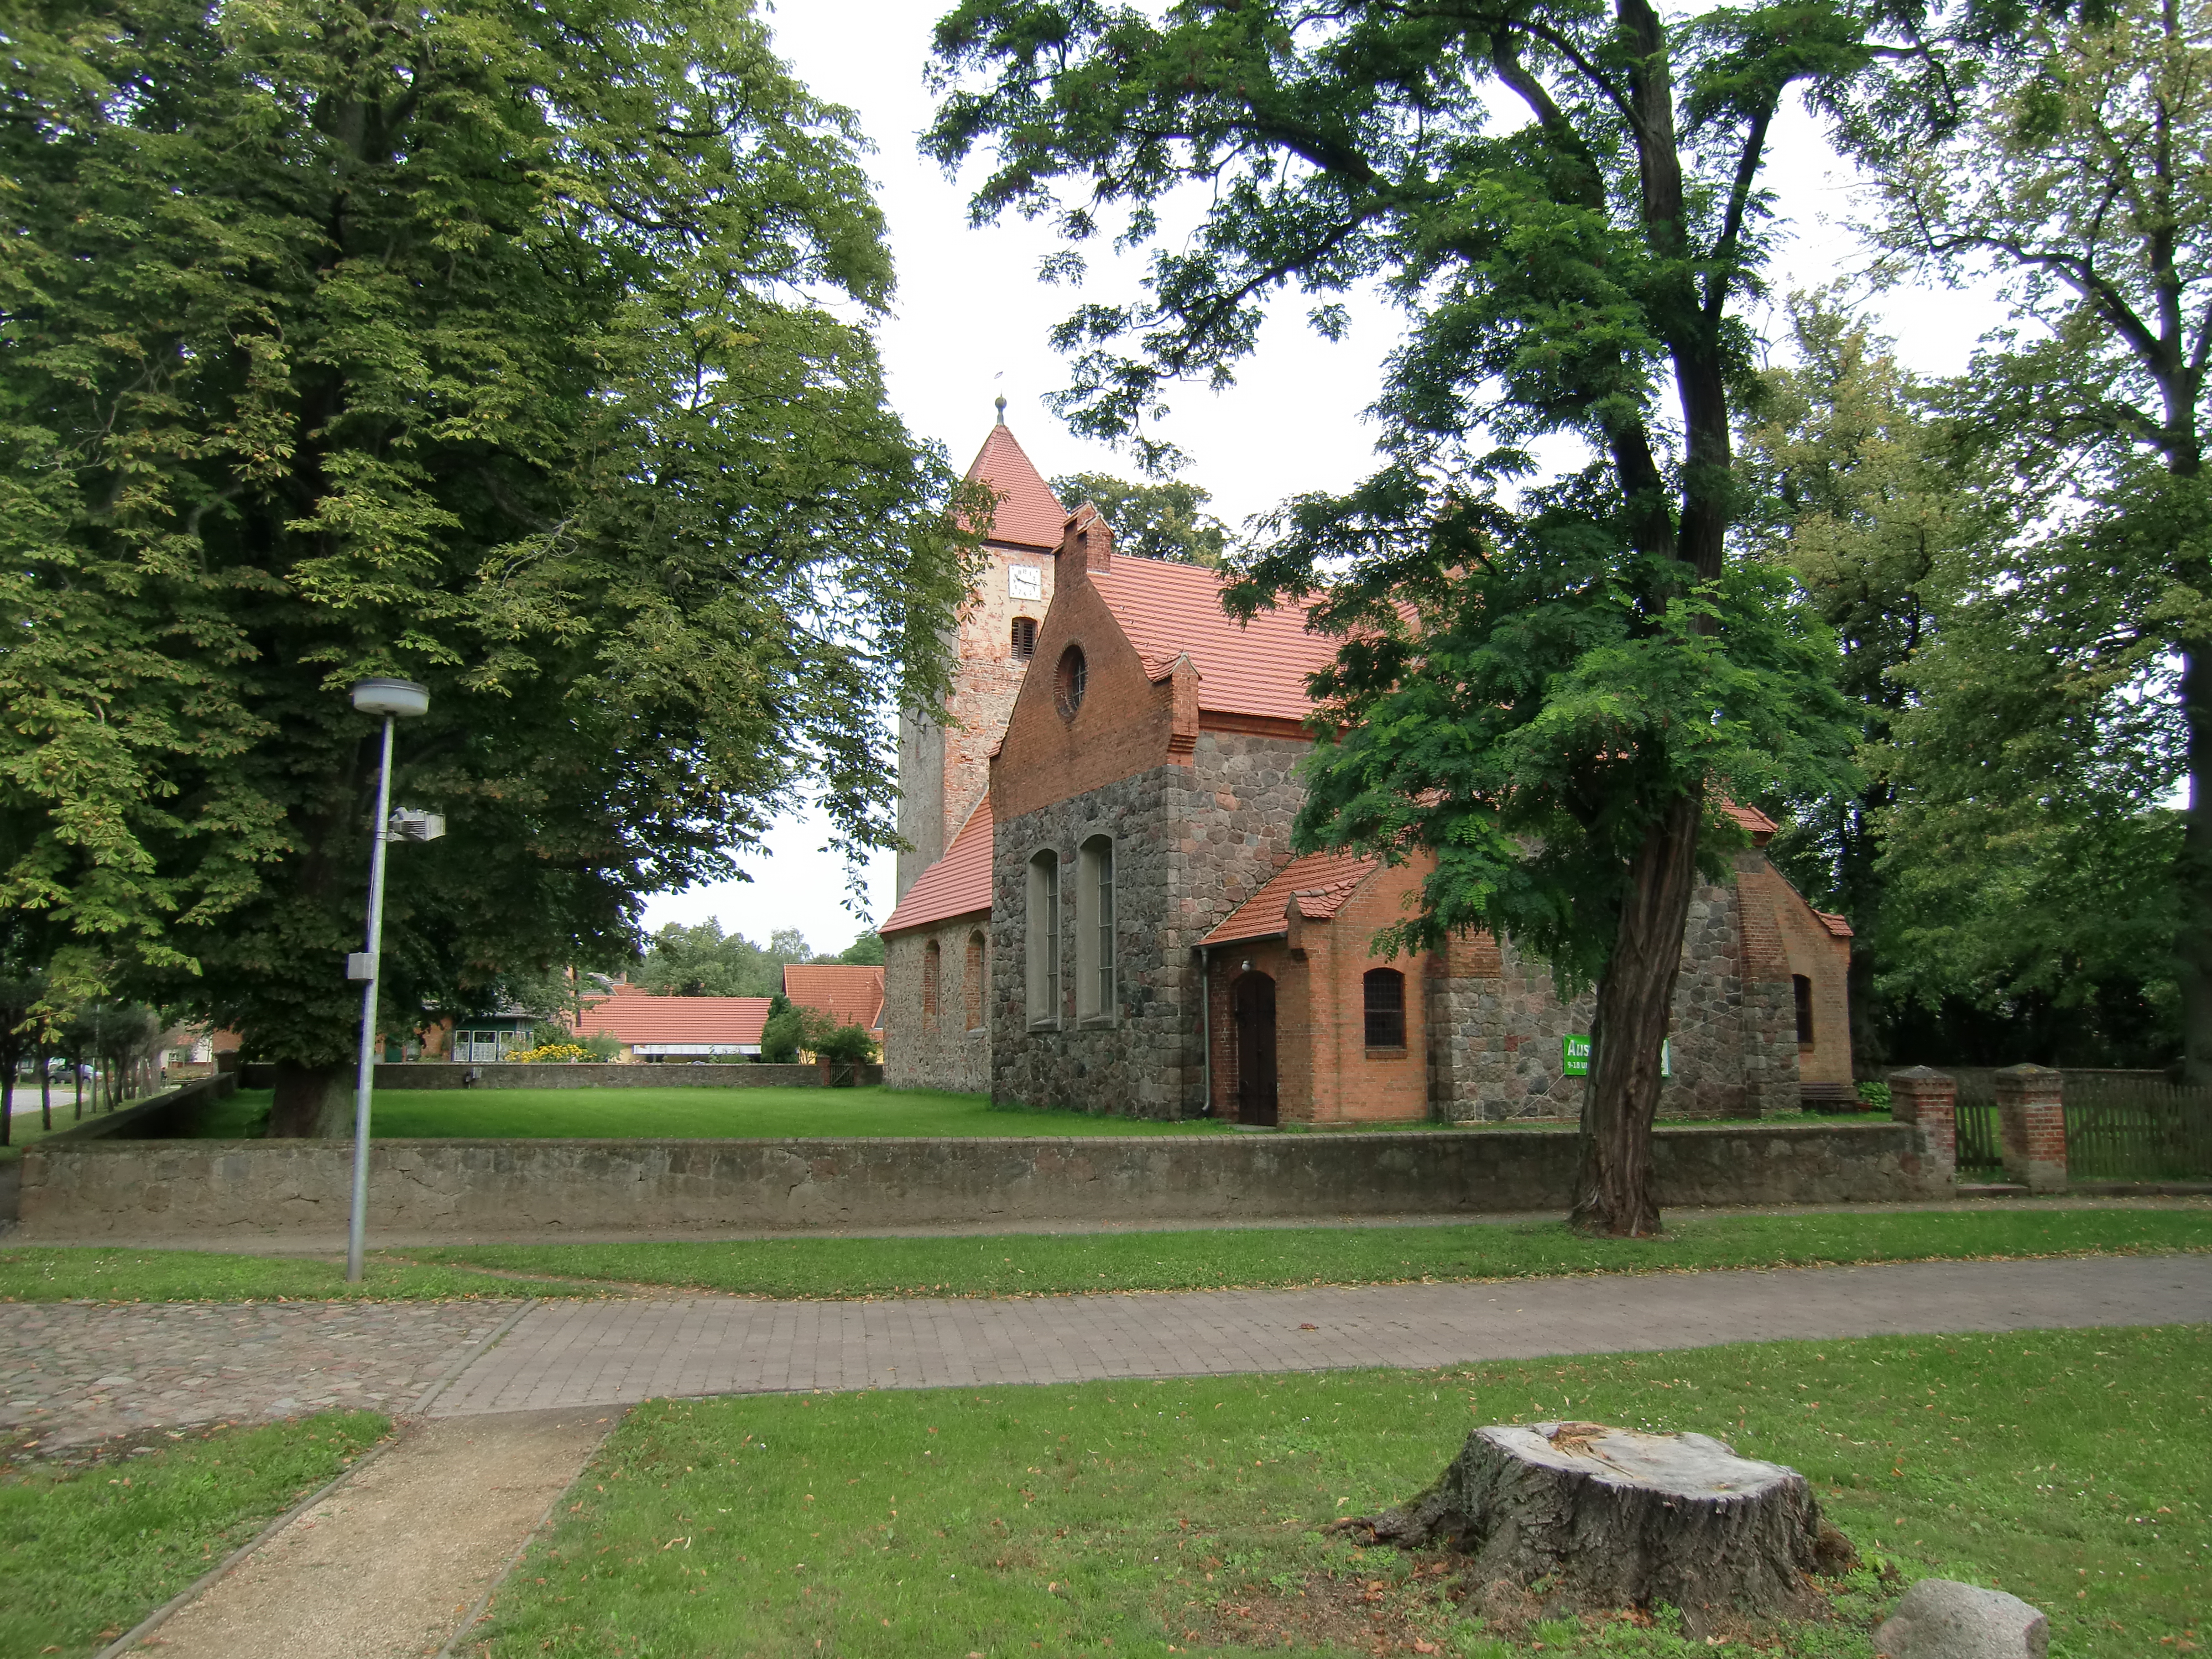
<point>1191,843</point>
<point>2031,1124</point>
<point>1497,1027</point>
<point>943,1046</point>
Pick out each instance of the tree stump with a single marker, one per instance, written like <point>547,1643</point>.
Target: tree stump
<point>1585,1517</point>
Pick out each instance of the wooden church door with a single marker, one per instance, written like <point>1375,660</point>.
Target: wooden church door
<point>1252,1002</point>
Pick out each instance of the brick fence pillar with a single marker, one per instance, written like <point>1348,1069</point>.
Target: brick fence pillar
<point>2032,1120</point>
<point>1928,1101</point>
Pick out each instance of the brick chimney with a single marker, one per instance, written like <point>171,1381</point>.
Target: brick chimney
<point>1086,543</point>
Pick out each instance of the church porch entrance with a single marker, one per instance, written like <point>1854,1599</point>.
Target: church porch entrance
<point>1252,1009</point>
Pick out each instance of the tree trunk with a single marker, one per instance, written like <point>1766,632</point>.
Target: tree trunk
<point>2193,871</point>
<point>1635,999</point>
<point>312,1103</point>
<point>46,1088</point>
<point>1569,1518</point>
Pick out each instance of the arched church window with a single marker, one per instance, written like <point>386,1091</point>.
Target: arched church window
<point>1040,939</point>
<point>971,987</point>
<point>1802,987</point>
<point>932,959</point>
<point>1384,991</point>
<point>1095,992</point>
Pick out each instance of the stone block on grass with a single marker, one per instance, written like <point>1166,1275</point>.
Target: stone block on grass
<point>1940,1619</point>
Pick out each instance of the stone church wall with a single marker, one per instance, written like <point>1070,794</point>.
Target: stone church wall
<point>943,1041</point>
<point>1497,1028</point>
<point>1191,843</point>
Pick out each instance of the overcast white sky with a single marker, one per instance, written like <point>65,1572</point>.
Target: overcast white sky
<point>971,321</point>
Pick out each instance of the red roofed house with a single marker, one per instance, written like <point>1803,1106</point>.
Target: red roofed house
<point>678,1029</point>
<point>847,994</point>
<point>1117,921</point>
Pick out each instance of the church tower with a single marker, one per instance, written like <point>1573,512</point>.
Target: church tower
<point>944,758</point>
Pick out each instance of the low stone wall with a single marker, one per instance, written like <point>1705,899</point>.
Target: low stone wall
<point>160,1118</point>
<point>441,1074</point>
<point>456,1190</point>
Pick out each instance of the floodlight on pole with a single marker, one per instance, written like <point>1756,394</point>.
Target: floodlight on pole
<point>394,700</point>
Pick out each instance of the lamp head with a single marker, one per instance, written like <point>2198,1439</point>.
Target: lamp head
<point>404,698</point>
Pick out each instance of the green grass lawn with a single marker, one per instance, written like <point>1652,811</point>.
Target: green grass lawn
<point>1033,1263</point>
<point>243,1116</point>
<point>88,1551</point>
<point>98,1273</point>
<point>1108,1520</point>
<point>1022,1264</point>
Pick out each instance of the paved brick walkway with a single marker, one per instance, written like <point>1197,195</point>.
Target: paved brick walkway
<point>75,1372</point>
<point>595,1353</point>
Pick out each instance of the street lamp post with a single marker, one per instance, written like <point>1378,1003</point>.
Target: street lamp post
<point>394,700</point>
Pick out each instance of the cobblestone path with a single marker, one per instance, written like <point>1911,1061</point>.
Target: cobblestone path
<point>72,1372</point>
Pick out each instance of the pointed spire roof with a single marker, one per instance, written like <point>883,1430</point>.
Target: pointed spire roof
<point>1029,515</point>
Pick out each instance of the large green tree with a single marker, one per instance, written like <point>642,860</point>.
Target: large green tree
<point>1550,683</point>
<point>701,960</point>
<point>1852,485</point>
<point>1158,519</point>
<point>517,349</point>
<point>2081,174</point>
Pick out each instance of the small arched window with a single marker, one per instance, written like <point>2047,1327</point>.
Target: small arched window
<point>932,960</point>
<point>1384,989</point>
<point>1025,638</point>
<point>972,985</point>
<point>1802,989</point>
<point>1069,681</point>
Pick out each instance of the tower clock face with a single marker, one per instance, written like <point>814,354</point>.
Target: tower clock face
<point>1025,582</point>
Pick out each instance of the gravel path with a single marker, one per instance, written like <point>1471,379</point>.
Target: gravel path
<point>72,1372</point>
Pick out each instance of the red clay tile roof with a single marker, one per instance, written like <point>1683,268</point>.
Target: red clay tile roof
<point>634,1016</point>
<point>849,995</point>
<point>1258,668</point>
<point>1760,826</point>
<point>1834,924</point>
<point>1322,881</point>
<point>957,884</point>
<point>1029,513</point>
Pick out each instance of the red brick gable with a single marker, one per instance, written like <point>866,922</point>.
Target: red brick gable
<point>1029,515</point>
<point>1256,669</point>
<point>957,884</point>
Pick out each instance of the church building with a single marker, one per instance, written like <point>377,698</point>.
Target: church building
<point>1103,909</point>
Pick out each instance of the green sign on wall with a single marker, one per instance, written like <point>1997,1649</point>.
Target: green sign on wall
<point>1575,1056</point>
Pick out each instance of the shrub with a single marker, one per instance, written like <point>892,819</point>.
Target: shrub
<point>845,1045</point>
<point>789,1029</point>
<point>1875,1097</point>
<point>549,1054</point>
